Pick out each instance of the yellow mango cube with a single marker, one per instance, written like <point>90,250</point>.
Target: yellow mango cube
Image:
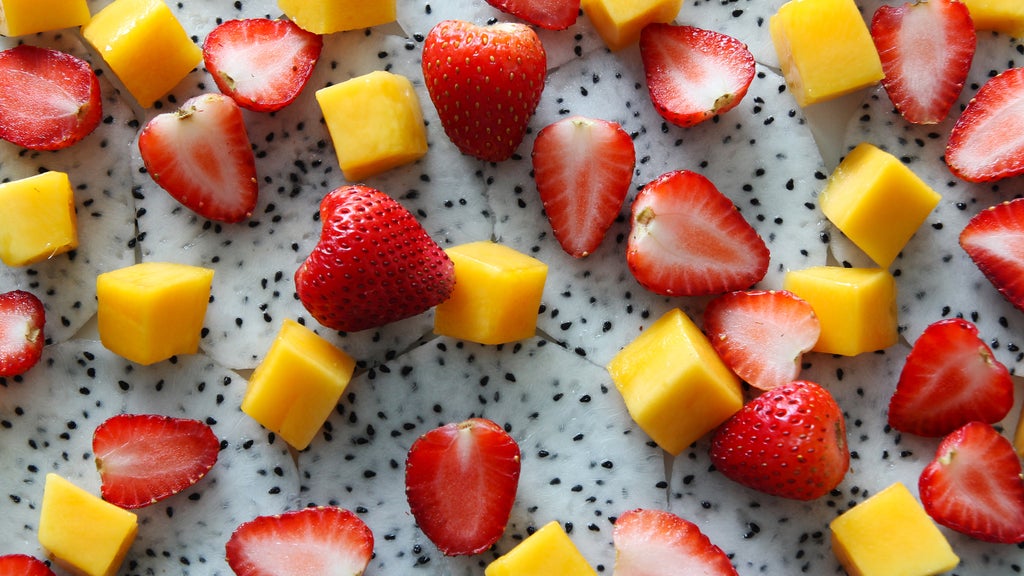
<point>298,384</point>
<point>619,22</point>
<point>151,311</point>
<point>856,307</point>
<point>877,202</point>
<point>329,16</point>
<point>497,294</point>
<point>375,122</point>
<point>546,552</point>
<point>890,534</point>
<point>824,48</point>
<point>82,532</point>
<point>145,45</point>
<point>675,385</point>
<point>22,17</point>
<point>1005,16</point>
<point>38,219</point>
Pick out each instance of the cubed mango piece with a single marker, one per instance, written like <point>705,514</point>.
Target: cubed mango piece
<point>546,552</point>
<point>151,311</point>
<point>330,16</point>
<point>824,48</point>
<point>38,219</point>
<point>675,385</point>
<point>298,384</point>
<point>375,122</point>
<point>82,532</point>
<point>877,202</point>
<point>497,294</point>
<point>145,45</point>
<point>619,22</point>
<point>22,17</point>
<point>856,307</point>
<point>1005,16</point>
<point>890,534</point>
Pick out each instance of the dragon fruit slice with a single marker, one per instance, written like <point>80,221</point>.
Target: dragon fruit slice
<point>49,415</point>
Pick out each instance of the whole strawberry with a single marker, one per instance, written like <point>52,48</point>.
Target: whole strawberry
<point>374,263</point>
<point>485,82</point>
<point>788,442</point>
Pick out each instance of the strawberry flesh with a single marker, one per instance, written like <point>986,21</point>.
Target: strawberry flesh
<point>994,239</point>
<point>547,14</point>
<point>647,541</point>
<point>22,322</point>
<point>23,565</point>
<point>987,141</point>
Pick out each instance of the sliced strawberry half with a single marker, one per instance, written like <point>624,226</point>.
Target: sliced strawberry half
<point>950,378</point>
<point>23,565</point>
<point>926,49</point>
<point>548,14</point>
<point>975,485</point>
<point>762,334</point>
<point>994,239</point>
<point>49,99</point>
<point>688,239</point>
<point>22,320</point>
<point>583,168</point>
<point>262,64</point>
<point>320,540</point>
<point>987,141</point>
<point>693,73</point>
<point>145,458</point>
<point>647,541</point>
<point>201,155</point>
<point>461,481</point>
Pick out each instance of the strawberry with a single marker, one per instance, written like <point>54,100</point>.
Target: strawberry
<point>583,168</point>
<point>950,378</point>
<point>461,481</point>
<point>993,239</point>
<point>262,64</point>
<point>926,49</point>
<point>392,269</point>
<point>688,239</point>
<point>975,485</point>
<point>790,441</point>
<point>485,82</point>
<point>201,156</point>
<point>23,565</point>
<point>48,99</point>
<point>145,458</point>
<point>693,74</point>
<point>762,334</point>
<point>649,541</point>
<point>320,540</point>
<point>22,320</point>
<point>548,14</point>
<point>986,143</point>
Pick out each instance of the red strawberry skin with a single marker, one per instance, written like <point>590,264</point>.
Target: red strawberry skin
<point>461,481</point>
<point>688,239</point>
<point>692,73</point>
<point>950,378</point>
<point>986,143</point>
<point>583,168</point>
<point>262,64</point>
<point>320,540</point>
<point>647,541</point>
<point>22,323</point>
<point>485,82</point>
<point>145,458</point>
<point>374,263</point>
<point>49,100</point>
<point>974,485</point>
<point>788,442</point>
<point>201,155</point>
<point>926,49</point>
<point>23,565</point>
<point>993,239</point>
<point>547,14</point>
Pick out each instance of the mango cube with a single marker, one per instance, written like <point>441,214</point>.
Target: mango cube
<point>824,48</point>
<point>151,311</point>
<point>877,201</point>
<point>329,16</point>
<point>890,534</point>
<point>856,307</point>
<point>81,531</point>
<point>497,294</point>
<point>1005,16</point>
<point>298,384</point>
<point>619,22</point>
<point>38,219</point>
<point>22,17</point>
<point>546,552</point>
<point>145,45</point>
<point>675,385</point>
<point>375,122</point>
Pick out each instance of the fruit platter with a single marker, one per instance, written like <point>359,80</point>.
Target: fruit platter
<point>684,287</point>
